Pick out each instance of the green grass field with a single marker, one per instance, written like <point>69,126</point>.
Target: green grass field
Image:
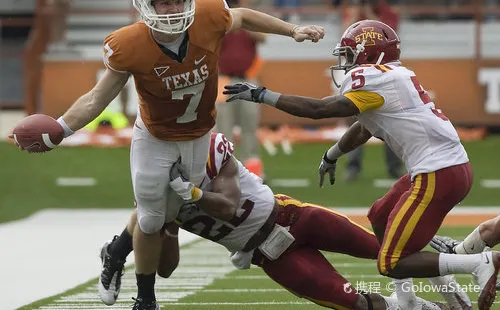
<point>28,181</point>
<point>206,280</point>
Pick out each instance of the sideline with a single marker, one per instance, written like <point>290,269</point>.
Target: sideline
<point>55,250</point>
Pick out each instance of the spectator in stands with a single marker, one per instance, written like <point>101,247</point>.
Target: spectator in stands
<point>57,12</point>
<point>239,61</point>
<point>377,10</point>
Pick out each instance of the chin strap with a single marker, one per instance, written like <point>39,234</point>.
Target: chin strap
<point>380,57</point>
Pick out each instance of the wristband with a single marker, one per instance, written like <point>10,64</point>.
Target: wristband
<point>196,194</point>
<point>334,152</point>
<point>269,97</point>
<point>293,30</point>
<point>67,131</point>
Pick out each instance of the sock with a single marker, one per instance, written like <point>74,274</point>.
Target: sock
<point>472,244</point>
<point>451,291</point>
<point>406,295</point>
<point>146,286</point>
<point>390,302</point>
<point>122,246</point>
<point>457,263</point>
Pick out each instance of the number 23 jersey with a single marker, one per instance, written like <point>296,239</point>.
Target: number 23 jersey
<point>176,96</point>
<point>255,206</point>
<point>395,108</point>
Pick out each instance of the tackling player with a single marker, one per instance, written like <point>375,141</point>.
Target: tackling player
<point>276,232</point>
<point>173,55</point>
<point>390,104</point>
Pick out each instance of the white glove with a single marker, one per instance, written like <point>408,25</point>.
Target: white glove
<point>179,182</point>
<point>242,260</point>
<point>327,166</point>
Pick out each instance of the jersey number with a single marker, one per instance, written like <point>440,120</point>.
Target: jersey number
<point>358,80</point>
<point>424,96</point>
<point>208,224</point>
<point>194,101</point>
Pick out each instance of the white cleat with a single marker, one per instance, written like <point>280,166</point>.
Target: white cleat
<point>486,275</point>
<point>110,277</point>
<point>455,296</point>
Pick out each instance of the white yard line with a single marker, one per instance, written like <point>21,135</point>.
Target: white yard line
<point>55,250</point>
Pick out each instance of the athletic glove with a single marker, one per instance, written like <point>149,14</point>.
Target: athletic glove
<point>327,166</point>
<point>179,182</point>
<point>444,244</point>
<point>244,91</point>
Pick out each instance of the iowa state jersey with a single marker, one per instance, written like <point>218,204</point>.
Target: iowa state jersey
<point>176,99</point>
<point>407,120</point>
<point>256,202</point>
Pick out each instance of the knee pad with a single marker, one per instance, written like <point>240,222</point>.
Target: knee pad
<point>150,224</point>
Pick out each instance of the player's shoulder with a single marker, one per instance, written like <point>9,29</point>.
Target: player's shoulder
<point>220,151</point>
<point>127,35</point>
<point>211,16</point>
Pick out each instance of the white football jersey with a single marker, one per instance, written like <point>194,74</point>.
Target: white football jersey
<point>256,202</point>
<point>408,121</point>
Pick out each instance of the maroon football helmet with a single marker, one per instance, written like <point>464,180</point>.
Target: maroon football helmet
<point>366,42</point>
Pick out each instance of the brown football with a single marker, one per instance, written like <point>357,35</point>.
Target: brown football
<point>38,133</point>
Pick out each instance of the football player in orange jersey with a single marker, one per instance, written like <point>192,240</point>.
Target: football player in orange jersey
<point>173,56</point>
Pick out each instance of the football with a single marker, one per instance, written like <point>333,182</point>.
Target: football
<point>38,133</point>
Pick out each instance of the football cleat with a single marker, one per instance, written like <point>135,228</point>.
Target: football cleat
<point>486,275</point>
<point>144,304</point>
<point>455,296</point>
<point>111,275</point>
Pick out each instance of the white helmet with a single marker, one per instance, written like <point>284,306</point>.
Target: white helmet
<point>167,23</point>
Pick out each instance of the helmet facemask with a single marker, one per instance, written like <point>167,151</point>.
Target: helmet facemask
<point>346,58</point>
<point>172,23</point>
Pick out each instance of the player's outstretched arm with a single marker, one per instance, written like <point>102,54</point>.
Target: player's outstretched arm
<point>261,22</point>
<point>333,106</point>
<point>89,106</point>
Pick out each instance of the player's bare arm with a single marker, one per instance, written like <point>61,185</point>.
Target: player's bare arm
<point>354,137</point>
<point>333,106</point>
<point>222,201</point>
<point>261,22</point>
<point>224,197</point>
<point>90,105</point>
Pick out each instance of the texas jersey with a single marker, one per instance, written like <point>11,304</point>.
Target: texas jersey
<point>395,108</point>
<point>176,94</point>
<point>255,206</point>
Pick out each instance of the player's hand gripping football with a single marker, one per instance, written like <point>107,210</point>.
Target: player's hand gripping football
<point>244,91</point>
<point>327,166</point>
<point>444,244</point>
<point>313,33</point>
<point>179,182</point>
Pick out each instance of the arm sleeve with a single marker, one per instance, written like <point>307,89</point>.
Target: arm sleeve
<point>113,56</point>
<point>365,100</point>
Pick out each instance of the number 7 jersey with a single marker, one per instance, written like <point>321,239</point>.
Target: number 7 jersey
<point>395,108</point>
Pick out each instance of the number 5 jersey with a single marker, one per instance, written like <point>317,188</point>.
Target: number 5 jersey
<point>395,108</point>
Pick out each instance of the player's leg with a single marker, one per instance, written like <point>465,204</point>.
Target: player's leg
<point>306,273</point>
<point>328,230</point>
<point>415,220</point>
<point>225,119</point>
<point>151,160</point>
<point>381,209</point>
<point>169,258</point>
<point>249,123</point>
<point>113,256</point>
